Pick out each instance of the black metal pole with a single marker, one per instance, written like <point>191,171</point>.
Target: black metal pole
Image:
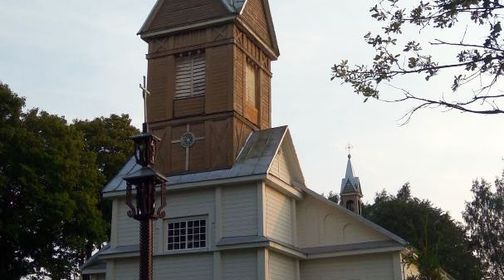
<point>146,249</point>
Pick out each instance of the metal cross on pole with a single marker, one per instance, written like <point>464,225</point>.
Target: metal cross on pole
<point>141,187</point>
<point>145,93</point>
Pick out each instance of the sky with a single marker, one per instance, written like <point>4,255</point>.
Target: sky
<point>82,59</point>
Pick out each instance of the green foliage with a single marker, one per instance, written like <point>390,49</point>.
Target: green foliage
<point>48,192</point>
<point>51,175</point>
<point>439,241</point>
<point>484,217</point>
<point>110,140</point>
<point>479,59</point>
<point>334,197</point>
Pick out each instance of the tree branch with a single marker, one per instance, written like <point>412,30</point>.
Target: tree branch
<point>441,42</point>
<point>459,106</point>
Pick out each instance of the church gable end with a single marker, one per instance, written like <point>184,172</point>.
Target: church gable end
<point>324,223</point>
<point>256,16</point>
<point>285,166</point>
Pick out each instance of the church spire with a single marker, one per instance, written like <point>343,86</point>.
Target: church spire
<point>351,192</point>
<point>349,168</point>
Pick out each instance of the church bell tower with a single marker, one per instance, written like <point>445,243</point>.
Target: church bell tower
<point>209,78</point>
<point>351,192</point>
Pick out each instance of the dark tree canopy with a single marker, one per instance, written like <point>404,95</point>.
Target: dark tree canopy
<point>110,140</point>
<point>51,175</point>
<point>439,240</point>
<point>476,60</point>
<point>484,217</point>
<point>334,197</point>
<point>48,192</point>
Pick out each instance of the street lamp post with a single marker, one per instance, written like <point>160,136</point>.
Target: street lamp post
<point>146,209</point>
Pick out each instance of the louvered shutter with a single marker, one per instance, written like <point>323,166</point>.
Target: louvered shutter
<point>191,75</point>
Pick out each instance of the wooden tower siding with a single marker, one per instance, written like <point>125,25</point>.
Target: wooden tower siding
<point>175,13</point>
<point>254,15</point>
<point>225,115</point>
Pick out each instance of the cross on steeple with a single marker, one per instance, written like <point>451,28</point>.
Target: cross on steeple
<point>349,148</point>
<point>145,93</point>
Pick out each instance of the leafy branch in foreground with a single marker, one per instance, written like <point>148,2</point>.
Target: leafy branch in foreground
<point>474,62</point>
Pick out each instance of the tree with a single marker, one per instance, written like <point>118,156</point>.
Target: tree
<point>110,140</point>
<point>49,186</point>
<point>477,63</point>
<point>484,217</point>
<point>439,241</point>
<point>334,197</point>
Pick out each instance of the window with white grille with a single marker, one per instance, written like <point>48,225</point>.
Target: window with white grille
<point>186,234</point>
<point>190,75</point>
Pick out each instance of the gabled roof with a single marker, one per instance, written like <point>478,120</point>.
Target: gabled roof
<point>170,16</point>
<point>254,159</point>
<point>357,217</point>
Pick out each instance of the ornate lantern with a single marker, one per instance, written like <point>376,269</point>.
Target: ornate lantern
<point>145,148</point>
<point>145,210</point>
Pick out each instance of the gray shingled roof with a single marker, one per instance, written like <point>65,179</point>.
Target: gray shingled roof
<point>254,159</point>
<point>234,5</point>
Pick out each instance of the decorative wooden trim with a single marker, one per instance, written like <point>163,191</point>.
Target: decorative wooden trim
<point>150,35</point>
<point>250,56</point>
<point>218,213</point>
<point>184,120</point>
<point>110,275</point>
<point>217,265</point>
<point>158,125</point>
<point>159,235</point>
<point>261,216</point>
<point>298,270</point>
<point>397,267</point>
<point>114,223</point>
<point>246,28</point>
<point>294,222</point>
<point>291,252</point>
<point>201,184</point>
<point>355,252</point>
<point>223,42</point>
<point>283,187</point>
<point>263,264</point>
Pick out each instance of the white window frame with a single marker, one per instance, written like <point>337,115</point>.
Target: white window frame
<point>190,75</point>
<point>186,235</point>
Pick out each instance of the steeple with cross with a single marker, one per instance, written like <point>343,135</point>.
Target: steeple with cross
<point>208,85</point>
<point>351,192</point>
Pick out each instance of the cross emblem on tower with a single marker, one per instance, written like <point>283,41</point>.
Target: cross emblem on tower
<point>187,140</point>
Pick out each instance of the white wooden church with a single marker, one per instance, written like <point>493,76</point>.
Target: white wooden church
<point>237,203</point>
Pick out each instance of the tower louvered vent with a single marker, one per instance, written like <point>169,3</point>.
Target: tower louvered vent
<point>191,75</point>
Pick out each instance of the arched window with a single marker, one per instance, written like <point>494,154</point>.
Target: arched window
<point>350,205</point>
